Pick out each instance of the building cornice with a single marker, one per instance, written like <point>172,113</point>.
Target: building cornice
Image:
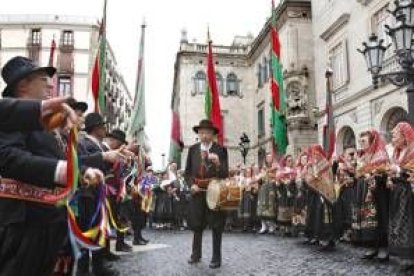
<point>336,26</point>
<point>287,9</point>
<point>364,2</point>
<point>45,19</point>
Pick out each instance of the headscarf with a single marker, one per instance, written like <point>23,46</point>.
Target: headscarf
<point>407,131</point>
<point>285,173</point>
<point>376,156</point>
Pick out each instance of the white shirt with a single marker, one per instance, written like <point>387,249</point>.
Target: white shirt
<point>205,147</point>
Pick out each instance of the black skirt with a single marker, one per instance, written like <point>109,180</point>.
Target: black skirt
<point>364,215</point>
<point>164,211</point>
<point>401,230</point>
<point>248,205</point>
<point>286,194</point>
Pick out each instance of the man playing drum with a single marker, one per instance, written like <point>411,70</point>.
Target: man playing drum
<point>206,160</point>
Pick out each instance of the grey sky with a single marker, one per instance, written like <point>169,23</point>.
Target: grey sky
<point>165,20</point>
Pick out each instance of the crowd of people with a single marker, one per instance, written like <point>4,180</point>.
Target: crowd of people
<point>48,224</point>
<point>370,205</point>
<point>364,196</point>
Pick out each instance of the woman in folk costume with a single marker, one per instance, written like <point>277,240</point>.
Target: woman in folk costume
<point>286,192</point>
<point>313,202</point>
<point>267,204</point>
<point>184,194</point>
<point>401,230</point>
<point>300,203</point>
<point>345,178</point>
<point>323,220</point>
<point>372,207</point>
<point>248,204</point>
<point>163,213</point>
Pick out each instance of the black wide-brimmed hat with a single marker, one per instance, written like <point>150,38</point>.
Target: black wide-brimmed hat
<point>118,135</point>
<point>93,120</point>
<point>206,124</point>
<point>19,68</point>
<point>75,105</point>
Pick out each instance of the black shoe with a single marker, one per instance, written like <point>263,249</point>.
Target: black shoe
<point>105,271</point>
<point>383,255</point>
<point>327,246</point>
<point>307,241</point>
<point>192,260</point>
<point>111,257</point>
<point>83,272</point>
<point>313,242</point>
<point>123,247</point>
<point>405,269</point>
<point>262,231</point>
<point>145,240</point>
<point>214,264</point>
<point>139,242</point>
<point>369,255</point>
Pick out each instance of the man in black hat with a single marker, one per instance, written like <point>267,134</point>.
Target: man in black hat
<point>31,231</point>
<point>80,108</point>
<point>94,153</point>
<point>205,160</point>
<point>116,140</point>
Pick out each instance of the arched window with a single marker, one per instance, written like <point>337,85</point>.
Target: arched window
<point>398,115</point>
<point>220,83</point>
<point>391,118</point>
<point>200,83</point>
<point>232,85</point>
<point>348,140</point>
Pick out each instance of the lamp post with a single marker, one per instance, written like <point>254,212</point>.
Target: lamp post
<point>244,146</point>
<point>163,160</point>
<point>402,38</point>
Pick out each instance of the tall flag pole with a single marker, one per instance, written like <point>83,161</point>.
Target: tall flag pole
<point>138,121</point>
<point>99,69</point>
<point>51,63</point>
<point>176,144</point>
<point>211,100</point>
<point>278,106</point>
<point>329,127</point>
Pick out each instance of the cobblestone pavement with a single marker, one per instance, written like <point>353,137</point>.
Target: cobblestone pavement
<point>246,254</point>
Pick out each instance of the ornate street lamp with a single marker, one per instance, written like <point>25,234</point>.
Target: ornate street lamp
<point>244,146</point>
<point>402,37</point>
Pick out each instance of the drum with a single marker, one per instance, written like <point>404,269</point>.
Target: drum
<point>223,194</point>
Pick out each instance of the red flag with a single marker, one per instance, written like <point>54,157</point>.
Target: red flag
<point>99,72</point>
<point>54,92</point>
<point>95,83</point>
<point>212,101</point>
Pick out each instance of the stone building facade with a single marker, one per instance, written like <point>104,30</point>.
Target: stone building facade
<point>339,28</point>
<point>76,44</point>
<point>243,78</point>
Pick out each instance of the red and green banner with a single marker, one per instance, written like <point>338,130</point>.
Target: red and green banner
<point>329,127</point>
<point>99,69</point>
<point>211,100</point>
<point>176,144</point>
<point>278,106</point>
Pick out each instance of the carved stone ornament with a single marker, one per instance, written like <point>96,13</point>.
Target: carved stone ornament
<point>296,99</point>
<point>378,106</point>
<point>354,117</point>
